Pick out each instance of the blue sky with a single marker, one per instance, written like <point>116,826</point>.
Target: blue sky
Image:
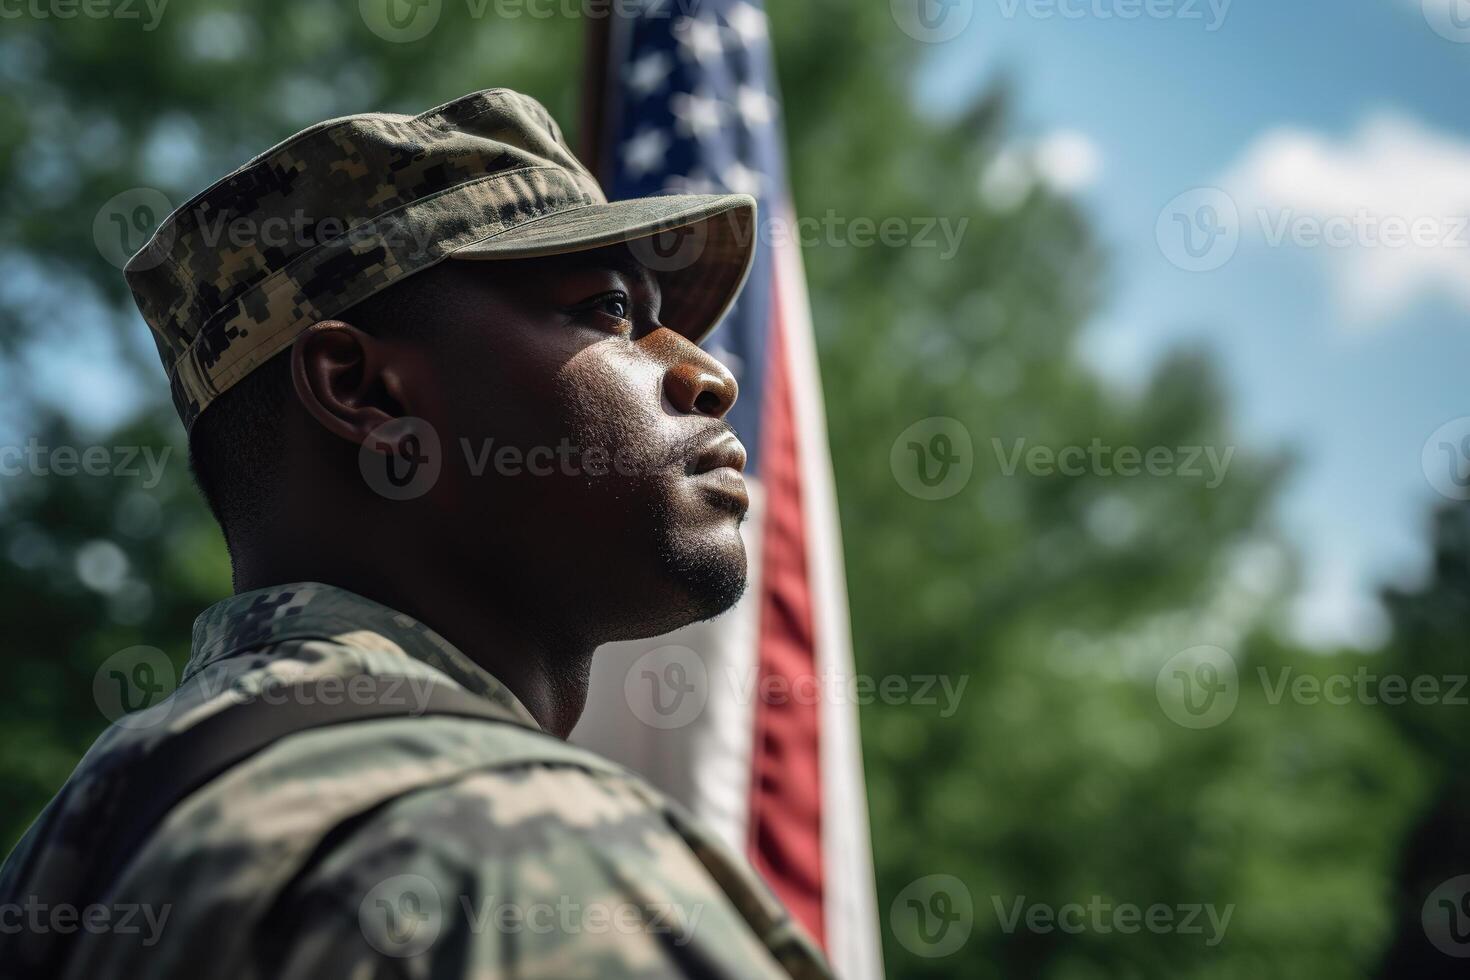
<point>1302,110</point>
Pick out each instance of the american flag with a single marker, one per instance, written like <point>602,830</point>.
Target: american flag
<point>744,718</point>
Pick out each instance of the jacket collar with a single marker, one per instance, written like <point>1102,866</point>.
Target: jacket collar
<point>311,610</point>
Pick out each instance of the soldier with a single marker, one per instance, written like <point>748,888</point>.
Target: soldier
<point>442,484</point>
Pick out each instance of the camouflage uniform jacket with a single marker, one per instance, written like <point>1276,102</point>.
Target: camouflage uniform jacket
<point>421,846</point>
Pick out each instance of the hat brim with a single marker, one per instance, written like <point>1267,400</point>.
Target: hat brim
<point>700,246</point>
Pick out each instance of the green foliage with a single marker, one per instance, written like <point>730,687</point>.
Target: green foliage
<point>1054,599</point>
<point>93,565</point>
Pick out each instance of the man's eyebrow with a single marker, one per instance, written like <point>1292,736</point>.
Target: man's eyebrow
<point>628,266</point>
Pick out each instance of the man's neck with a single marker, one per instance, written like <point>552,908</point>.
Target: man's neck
<point>548,674</point>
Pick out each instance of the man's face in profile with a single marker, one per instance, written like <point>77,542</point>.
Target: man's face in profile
<point>588,472</point>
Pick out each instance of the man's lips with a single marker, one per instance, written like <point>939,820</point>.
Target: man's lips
<point>717,468</point>
<point>725,451</point>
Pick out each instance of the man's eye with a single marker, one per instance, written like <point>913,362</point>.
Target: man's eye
<point>613,304</point>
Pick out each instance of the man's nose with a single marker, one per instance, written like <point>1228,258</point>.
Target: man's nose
<point>695,382</point>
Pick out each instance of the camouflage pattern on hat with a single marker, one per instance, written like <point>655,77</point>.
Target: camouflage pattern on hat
<point>413,846</point>
<point>347,207</point>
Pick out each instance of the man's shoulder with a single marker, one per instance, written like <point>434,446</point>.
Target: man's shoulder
<point>547,868</point>
<point>483,844</point>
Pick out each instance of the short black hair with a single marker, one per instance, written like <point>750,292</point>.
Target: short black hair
<point>237,446</point>
<point>237,449</point>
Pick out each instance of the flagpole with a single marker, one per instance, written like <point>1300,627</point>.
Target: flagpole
<point>595,109</point>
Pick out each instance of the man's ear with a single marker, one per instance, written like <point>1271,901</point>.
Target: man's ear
<point>348,380</point>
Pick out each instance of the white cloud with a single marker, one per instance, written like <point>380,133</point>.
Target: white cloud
<point>1388,208</point>
<point>1063,160</point>
<point>1067,160</point>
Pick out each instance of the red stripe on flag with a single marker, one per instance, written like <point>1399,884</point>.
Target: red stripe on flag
<point>785,842</point>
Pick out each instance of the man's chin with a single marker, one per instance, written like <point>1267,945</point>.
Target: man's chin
<point>719,593</point>
<point>713,577</point>
<point>709,577</point>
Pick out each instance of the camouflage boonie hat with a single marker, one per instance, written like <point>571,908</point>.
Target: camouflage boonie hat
<point>347,207</point>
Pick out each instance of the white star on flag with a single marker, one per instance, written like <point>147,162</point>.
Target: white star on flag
<point>648,73</point>
<point>695,114</point>
<point>748,22</point>
<point>644,153</point>
<point>699,39</point>
<point>753,105</point>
